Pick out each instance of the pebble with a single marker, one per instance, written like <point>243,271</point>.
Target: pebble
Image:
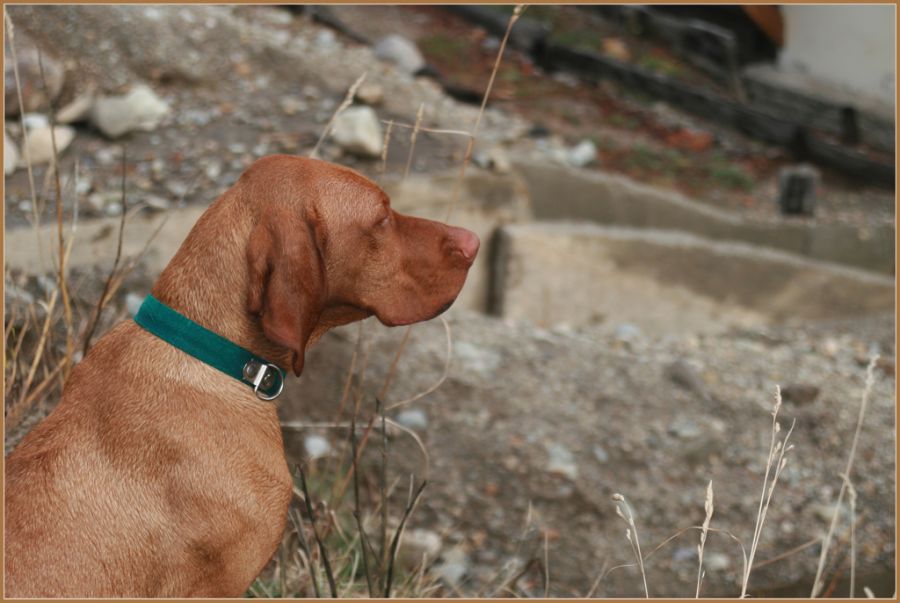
<point>418,546</point>
<point>453,567</point>
<point>358,131</point>
<point>157,203</point>
<point>600,454</point>
<point>561,461</point>
<point>414,419</point>
<point>39,143</point>
<point>291,105</point>
<point>10,155</point>
<point>799,393</point>
<point>401,52</point>
<point>77,111</point>
<point>133,303</point>
<point>316,446</point>
<point>583,154</point>
<point>139,109</point>
<point>370,93</point>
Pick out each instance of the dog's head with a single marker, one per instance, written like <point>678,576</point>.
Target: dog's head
<point>327,249</point>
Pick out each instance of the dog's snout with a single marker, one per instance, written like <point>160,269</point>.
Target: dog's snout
<point>465,243</point>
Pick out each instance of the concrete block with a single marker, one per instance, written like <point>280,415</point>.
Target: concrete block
<point>665,282</point>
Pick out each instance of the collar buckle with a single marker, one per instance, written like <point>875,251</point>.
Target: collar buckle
<point>264,376</point>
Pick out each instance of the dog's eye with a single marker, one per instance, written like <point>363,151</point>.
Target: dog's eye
<point>384,221</point>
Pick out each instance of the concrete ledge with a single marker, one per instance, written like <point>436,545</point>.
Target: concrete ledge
<point>560,193</point>
<point>667,282</point>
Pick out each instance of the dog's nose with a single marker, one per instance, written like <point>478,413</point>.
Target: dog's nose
<point>467,243</point>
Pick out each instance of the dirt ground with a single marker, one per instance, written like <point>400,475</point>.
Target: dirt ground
<point>534,428</point>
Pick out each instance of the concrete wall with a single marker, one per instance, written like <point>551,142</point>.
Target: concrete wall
<point>560,193</point>
<point>666,282</point>
<point>851,45</point>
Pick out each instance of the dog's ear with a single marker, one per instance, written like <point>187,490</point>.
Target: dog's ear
<point>287,281</point>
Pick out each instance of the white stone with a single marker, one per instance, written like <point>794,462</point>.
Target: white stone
<point>584,153</point>
<point>370,93</point>
<point>39,143</point>
<point>76,111</point>
<point>414,419</point>
<point>10,154</point>
<point>401,52</point>
<point>561,461</point>
<point>140,109</point>
<point>417,547</point>
<point>133,303</point>
<point>358,131</point>
<point>316,446</point>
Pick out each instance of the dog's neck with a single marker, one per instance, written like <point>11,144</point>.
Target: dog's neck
<point>208,284</point>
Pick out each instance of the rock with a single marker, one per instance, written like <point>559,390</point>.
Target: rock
<point>453,567</point>
<point>561,461</point>
<point>16,295</point>
<point>414,419</point>
<point>325,40</point>
<point>495,159</point>
<point>39,143</point>
<point>76,111</point>
<point>139,109</point>
<point>584,153</point>
<point>370,93</point>
<point>358,131</point>
<point>476,358</point>
<point>716,562</point>
<point>627,332</point>
<point>133,303</point>
<point>33,90</point>
<point>401,52</point>
<point>617,49</point>
<point>157,203</point>
<point>683,375</point>
<point>316,446</point>
<point>418,547</point>
<point>10,154</point>
<point>291,105</point>
<point>600,454</point>
<point>799,393</point>
<point>35,121</point>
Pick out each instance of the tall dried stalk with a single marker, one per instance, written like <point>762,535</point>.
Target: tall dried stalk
<point>867,390</point>
<point>775,463</point>
<point>708,507</point>
<point>348,100</point>
<point>623,510</point>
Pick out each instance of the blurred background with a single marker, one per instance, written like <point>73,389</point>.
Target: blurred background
<point>680,208</point>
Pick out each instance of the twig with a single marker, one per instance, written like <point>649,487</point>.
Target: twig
<point>443,376</point>
<point>101,303</point>
<point>356,509</point>
<point>296,519</point>
<point>867,390</point>
<point>412,140</point>
<point>517,12</point>
<point>397,535</point>
<point>61,276</point>
<point>312,520</point>
<point>36,215</point>
<point>379,409</point>
<point>348,99</point>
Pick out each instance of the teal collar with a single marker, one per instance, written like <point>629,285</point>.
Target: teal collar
<point>266,378</point>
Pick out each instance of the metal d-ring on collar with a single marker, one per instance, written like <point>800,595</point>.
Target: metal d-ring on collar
<point>263,376</point>
<point>267,379</point>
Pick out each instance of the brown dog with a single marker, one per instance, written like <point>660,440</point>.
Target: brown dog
<point>158,475</point>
